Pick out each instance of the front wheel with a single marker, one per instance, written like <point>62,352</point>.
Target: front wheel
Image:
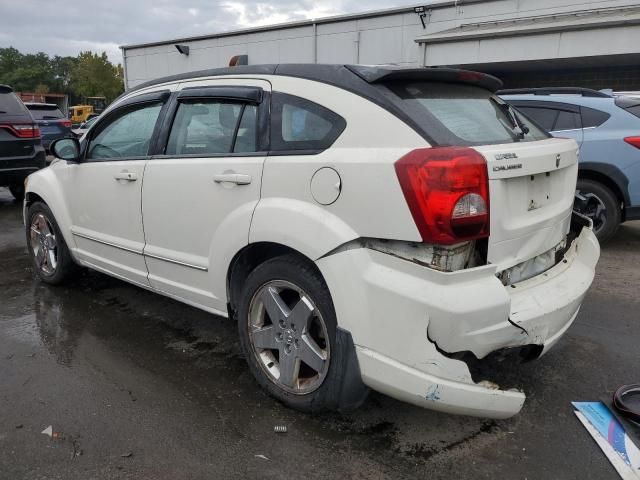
<point>600,204</point>
<point>287,328</point>
<point>49,253</point>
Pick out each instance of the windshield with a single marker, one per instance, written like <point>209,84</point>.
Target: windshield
<point>463,115</point>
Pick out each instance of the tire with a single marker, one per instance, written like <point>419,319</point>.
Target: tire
<point>602,207</point>
<point>290,285</point>
<point>17,191</point>
<point>48,251</point>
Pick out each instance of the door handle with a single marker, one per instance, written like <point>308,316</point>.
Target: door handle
<point>126,175</point>
<point>237,178</point>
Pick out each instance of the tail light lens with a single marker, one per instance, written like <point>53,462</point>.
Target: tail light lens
<point>23,130</point>
<point>635,141</point>
<point>447,190</point>
<point>66,123</point>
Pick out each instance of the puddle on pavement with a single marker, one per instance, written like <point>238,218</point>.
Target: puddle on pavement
<point>199,355</point>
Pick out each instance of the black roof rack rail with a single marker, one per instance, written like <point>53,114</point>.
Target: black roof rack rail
<point>585,92</point>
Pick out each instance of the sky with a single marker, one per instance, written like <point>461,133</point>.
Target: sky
<point>59,27</point>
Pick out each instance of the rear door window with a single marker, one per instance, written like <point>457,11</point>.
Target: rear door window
<point>545,117</point>
<point>208,127</point>
<point>459,114</point>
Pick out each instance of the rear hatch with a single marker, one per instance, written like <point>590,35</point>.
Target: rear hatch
<point>52,122</point>
<point>532,176</point>
<point>18,138</point>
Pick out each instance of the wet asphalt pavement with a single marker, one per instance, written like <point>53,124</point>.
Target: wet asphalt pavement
<point>139,386</point>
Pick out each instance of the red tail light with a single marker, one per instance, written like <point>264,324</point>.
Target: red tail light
<point>635,141</point>
<point>22,130</point>
<point>66,123</point>
<point>447,190</point>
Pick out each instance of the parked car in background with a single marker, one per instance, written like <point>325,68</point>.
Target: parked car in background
<point>377,227</point>
<point>607,129</point>
<point>21,150</point>
<point>52,122</point>
<point>84,126</point>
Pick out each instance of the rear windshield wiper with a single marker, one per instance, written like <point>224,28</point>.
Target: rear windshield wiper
<point>518,127</point>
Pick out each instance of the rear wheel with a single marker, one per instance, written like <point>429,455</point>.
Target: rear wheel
<point>48,251</point>
<point>17,191</point>
<point>287,327</point>
<point>600,204</point>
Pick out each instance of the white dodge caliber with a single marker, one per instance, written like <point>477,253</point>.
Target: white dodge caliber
<point>380,227</point>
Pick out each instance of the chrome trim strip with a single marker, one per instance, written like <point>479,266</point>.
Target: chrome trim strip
<point>157,257</point>
<point>177,262</point>
<point>104,242</point>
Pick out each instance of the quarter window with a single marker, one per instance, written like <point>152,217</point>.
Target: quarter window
<point>128,135</point>
<point>567,121</point>
<point>298,124</point>
<point>212,127</point>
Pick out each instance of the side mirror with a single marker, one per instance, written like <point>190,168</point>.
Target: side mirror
<point>66,149</point>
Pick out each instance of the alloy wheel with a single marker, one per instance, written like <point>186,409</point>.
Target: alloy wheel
<point>44,244</point>
<point>590,205</point>
<point>288,337</point>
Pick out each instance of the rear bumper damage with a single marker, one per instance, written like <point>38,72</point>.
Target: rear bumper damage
<point>415,328</point>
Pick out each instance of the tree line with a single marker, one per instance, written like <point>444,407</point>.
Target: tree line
<point>87,75</point>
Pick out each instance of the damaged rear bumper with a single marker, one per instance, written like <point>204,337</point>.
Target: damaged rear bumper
<point>410,323</point>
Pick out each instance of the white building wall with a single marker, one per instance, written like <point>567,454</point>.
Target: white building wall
<point>387,37</point>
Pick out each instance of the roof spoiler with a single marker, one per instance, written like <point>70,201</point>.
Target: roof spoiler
<point>5,89</point>
<point>379,74</point>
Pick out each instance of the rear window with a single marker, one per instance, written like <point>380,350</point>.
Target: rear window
<point>458,114</point>
<point>41,112</point>
<point>11,104</point>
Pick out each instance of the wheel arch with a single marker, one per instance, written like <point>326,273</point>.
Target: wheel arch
<point>250,257</point>
<point>608,175</point>
<point>43,187</point>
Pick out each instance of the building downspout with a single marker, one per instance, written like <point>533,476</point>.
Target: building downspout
<point>315,42</point>
<point>124,69</point>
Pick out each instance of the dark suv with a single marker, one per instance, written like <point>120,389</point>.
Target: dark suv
<point>52,122</point>
<point>21,150</point>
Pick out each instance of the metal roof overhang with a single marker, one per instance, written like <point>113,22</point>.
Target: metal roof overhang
<point>543,24</point>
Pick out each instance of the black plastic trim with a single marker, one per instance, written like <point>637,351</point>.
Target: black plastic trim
<point>632,213</point>
<point>239,93</point>
<point>566,107</point>
<point>585,92</point>
<point>353,392</point>
<point>613,173</point>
